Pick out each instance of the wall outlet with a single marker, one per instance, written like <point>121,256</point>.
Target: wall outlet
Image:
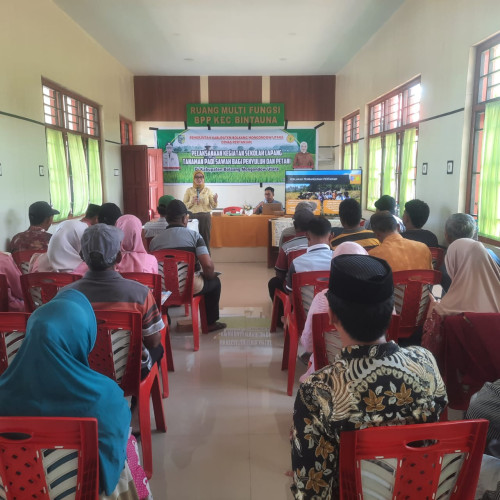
<point>1,173</point>
<point>41,170</point>
<point>117,172</point>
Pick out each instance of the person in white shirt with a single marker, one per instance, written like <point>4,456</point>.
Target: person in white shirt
<point>170,159</point>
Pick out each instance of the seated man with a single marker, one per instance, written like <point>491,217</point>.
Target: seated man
<point>269,198</point>
<point>35,237</point>
<point>318,256</point>
<point>92,214</point>
<point>401,254</point>
<point>154,227</point>
<point>178,236</point>
<point>109,214</point>
<point>107,289</point>
<point>414,217</point>
<point>388,203</point>
<point>289,232</point>
<point>372,383</point>
<point>350,218</point>
<point>301,220</point>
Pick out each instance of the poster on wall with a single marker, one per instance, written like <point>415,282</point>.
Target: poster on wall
<point>235,156</point>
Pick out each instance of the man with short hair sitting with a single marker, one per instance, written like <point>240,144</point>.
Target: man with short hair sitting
<point>107,289</point>
<point>401,254</point>
<point>289,232</point>
<point>91,214</point>
<point>350,218</point>
<point>269,198</point>
<point>36,236</point>
<point>386,202</point>
<point>414,217</point>
<point>177,236</point>
<point>371,383</point>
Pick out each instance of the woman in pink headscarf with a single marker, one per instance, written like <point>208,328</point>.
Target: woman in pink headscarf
<point>135,259</point>
<point>320,305</point>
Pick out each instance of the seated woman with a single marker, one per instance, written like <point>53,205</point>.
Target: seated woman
<point>475,280</point>
<point>135,259</point>
<point>12,275</point>
<point>320,305</point>
<point>50,376</point>
<point>63,253</point>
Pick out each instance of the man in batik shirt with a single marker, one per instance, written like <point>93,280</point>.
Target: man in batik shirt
<point>370,383</point>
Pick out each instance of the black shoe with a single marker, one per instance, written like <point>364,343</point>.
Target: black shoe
<point>304,358</point>
<point>216,326</point>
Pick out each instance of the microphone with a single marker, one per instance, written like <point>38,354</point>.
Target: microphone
<point>197,195</point>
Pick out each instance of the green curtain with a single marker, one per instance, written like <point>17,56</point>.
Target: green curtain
<point>374,172</point>
<point>79,176</point>
<point>390,162</point>
<point>355,149</point>
<point>489,184</point>
<point>408,159</point>
<point>58,174</point>
<point>347,157</point>
<point>95,180</point>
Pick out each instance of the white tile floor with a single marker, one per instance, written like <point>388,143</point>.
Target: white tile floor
<point>228,414</point>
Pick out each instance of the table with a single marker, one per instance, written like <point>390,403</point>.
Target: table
<point>239,231</point>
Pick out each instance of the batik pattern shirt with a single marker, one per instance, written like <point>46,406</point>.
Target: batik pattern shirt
<point>34,238</point>
<point>365,386</point>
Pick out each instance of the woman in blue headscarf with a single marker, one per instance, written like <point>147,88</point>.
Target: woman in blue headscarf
<point>50,376</point>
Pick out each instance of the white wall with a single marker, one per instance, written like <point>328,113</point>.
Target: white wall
<point>38,39</point>
<point>431,38</point>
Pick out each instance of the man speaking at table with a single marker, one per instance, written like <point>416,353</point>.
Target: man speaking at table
<point>269,198</point>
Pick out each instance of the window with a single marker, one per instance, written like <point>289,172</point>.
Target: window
<point>73,133</point>
<point>126,137</point>
<point>350,141</point>
<point>484,171</point>
<point>393,139</point>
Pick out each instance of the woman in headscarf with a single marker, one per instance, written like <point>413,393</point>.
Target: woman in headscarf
<point>50,376</point>
<point>475,280</point>
<point>135,259</point>
<point>200,201</point>
<point>13,276</point>
<point>63,253</point>
<point>320,305</point>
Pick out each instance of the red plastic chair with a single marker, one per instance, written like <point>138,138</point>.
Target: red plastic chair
<point>232,210</point>
<point>438,460</point>
<point>4,293</point>
<point>23,258</point>
<point>39,288</point>
<point>282,297</point>
<point>12,333</point>
<point>322,330</point>
<point>176,268</point>
<point>412,291</point>
<point>49,457</point>
<point>153,282</point>
<point>437,257</point>
<point>303,285</point>
<point>117,354</point>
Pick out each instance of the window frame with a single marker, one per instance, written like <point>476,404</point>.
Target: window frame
<point>403,125</point>
<point>478,108</point>
<point>354,139</point>
<point>126,132</point>
<point>62,121</point>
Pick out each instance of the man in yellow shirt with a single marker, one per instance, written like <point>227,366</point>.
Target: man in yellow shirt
<point>401,254</point>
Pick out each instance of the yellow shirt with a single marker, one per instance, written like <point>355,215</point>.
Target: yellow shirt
<point>402,254</point>
<point>206,203</point>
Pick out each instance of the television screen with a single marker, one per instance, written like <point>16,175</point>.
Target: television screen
<point>326,188</point>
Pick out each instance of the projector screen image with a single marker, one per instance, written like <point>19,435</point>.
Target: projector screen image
<point>326,188</point>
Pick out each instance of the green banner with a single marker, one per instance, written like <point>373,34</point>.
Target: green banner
<point>235,156</point>
<point>236,115</point>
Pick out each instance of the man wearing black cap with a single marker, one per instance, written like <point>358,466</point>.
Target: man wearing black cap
<point>35,237</point>
<point>177,236</point>
<point>386,202</point>
<point>371,382</point>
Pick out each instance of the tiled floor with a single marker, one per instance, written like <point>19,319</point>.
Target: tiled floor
<point>228,414</point>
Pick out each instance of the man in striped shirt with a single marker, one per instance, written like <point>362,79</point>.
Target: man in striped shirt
<point>350,218</point>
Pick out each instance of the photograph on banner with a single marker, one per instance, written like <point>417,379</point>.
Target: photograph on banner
<point>325,188</point>
<point>235,155</point>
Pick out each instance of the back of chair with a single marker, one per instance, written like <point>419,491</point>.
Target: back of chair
<point>326,341</point>
<point>118,349</point>
<point>39,288</point>
<point>4,294</point>
<point>293,254</point>
<point>439,460</point>
<point>12,333</point>
<point>48,458</point>
<point>411,297</point>
<point>151,280</point>
<point>176,267</point>
<point>303,291</point>
<point>437,257</point>
<point>23,258</point>
<point>232,210</point>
